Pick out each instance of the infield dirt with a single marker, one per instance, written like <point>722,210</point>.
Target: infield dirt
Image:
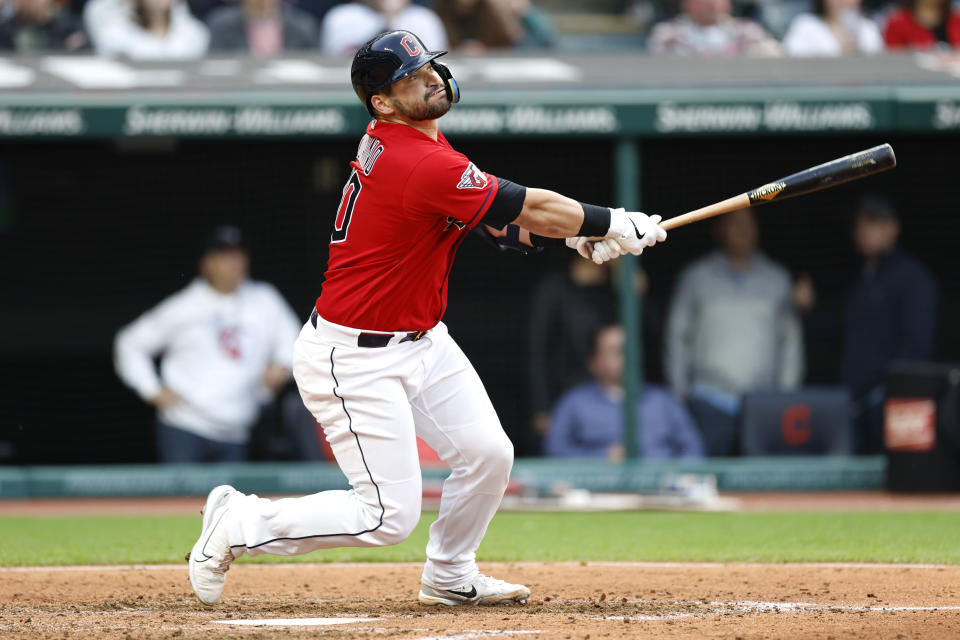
<point>569,601</point>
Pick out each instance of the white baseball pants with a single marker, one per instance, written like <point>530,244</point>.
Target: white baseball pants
<point>372,403</point>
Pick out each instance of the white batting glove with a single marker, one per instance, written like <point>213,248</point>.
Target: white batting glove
<point>635,231</point>
<point>598,250</point>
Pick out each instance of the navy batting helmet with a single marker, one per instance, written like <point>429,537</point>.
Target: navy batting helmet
<point>390,56</point>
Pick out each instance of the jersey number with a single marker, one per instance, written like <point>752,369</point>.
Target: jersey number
<point>345,211</point>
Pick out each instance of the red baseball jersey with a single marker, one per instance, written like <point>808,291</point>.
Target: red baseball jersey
<point>408,204</point>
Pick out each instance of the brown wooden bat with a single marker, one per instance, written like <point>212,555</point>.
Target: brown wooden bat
<point>852,167</point>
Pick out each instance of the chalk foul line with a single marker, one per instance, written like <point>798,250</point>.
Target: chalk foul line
<point>473,634</point>
<point>750,606</point>
<point>293,622</point>
<point>719,608</point>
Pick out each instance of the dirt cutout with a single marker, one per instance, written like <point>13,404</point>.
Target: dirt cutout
<point>568,601</point>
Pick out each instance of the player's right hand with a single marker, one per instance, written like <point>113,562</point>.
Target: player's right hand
<point>635,231</point>
<point>165,399</point>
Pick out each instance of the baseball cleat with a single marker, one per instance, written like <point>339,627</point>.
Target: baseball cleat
<point>483,590</point>
<point>211,556</point>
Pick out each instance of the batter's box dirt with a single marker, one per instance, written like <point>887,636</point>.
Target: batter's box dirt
<point>352,602</point>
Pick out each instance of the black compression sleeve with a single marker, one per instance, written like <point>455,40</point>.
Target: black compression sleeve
<point>544,241</point>
<point>596,221</point>
<point>506,205</point>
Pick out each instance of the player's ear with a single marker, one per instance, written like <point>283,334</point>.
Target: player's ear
<point>381,104</point>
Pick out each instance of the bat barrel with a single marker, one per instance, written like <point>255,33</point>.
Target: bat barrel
<point>830,174</point>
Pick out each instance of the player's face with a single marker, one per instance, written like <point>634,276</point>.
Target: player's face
<point>738,234</point>
<point>707,12</point>
<point>607,363</point>
<point>837,7</point>
<point>874,237</point>
<point>157,6</point>
<point>225,269</point>
<point>420,96</point>
<point>255,9</point>
<point>34,11</point>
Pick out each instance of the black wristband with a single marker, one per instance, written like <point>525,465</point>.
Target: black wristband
<point>596,221</point>
<point>544,241</point>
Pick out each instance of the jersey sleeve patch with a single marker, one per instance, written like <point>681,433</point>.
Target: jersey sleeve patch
<point>446,184</point>
<point>473,178</point>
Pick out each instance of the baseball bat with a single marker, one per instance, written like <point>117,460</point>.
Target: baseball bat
<point>823,176</point>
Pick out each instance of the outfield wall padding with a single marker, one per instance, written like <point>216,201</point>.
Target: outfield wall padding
<point>540,475</point>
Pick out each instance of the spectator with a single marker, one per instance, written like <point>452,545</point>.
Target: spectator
<point>890,314</point>
<point>317,8</point>
<point>39,25</point>
<point>473,26</point>
<point>347,26</point>
<point>261,27</point>
<point>225,342</point>
<point>707,28</point>
<point>588,419</point>
<point>731,329</point>
<point>834,28</point>
<point>567,310</point>
<point>145,29</point>
<point>923,24</point>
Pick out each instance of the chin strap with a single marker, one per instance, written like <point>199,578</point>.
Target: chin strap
<point>449,83</point>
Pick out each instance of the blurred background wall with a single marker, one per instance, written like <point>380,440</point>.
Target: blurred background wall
<point>92,233</point>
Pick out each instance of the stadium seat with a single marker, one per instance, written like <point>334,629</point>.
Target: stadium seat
<point>809,421</point>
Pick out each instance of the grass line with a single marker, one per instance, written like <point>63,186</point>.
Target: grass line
<point>915,537</point>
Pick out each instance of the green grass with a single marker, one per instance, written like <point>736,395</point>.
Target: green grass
<point>624,536</point>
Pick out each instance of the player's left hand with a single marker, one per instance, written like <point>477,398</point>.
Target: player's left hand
<point>598,250</point>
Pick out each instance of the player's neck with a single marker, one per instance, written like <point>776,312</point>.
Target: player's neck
<point>613,390</point>
<point>223,288</point>
<point>426,127</point>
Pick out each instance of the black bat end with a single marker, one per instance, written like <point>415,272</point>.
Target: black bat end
<point>884,155</point>
<point>853,167</point>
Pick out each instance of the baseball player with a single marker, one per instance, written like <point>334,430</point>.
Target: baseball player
<point>375,364</point>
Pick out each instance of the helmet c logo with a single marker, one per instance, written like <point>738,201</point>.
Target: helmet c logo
<point>410,45</point>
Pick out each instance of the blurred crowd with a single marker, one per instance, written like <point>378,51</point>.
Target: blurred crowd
<point>735,325</point>
<point>190,29</point>
<point>214,358</point>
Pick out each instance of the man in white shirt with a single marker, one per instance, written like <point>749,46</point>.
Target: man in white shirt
<point>226,345</point>
<point>347,26</point>
<point>145,30</point>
